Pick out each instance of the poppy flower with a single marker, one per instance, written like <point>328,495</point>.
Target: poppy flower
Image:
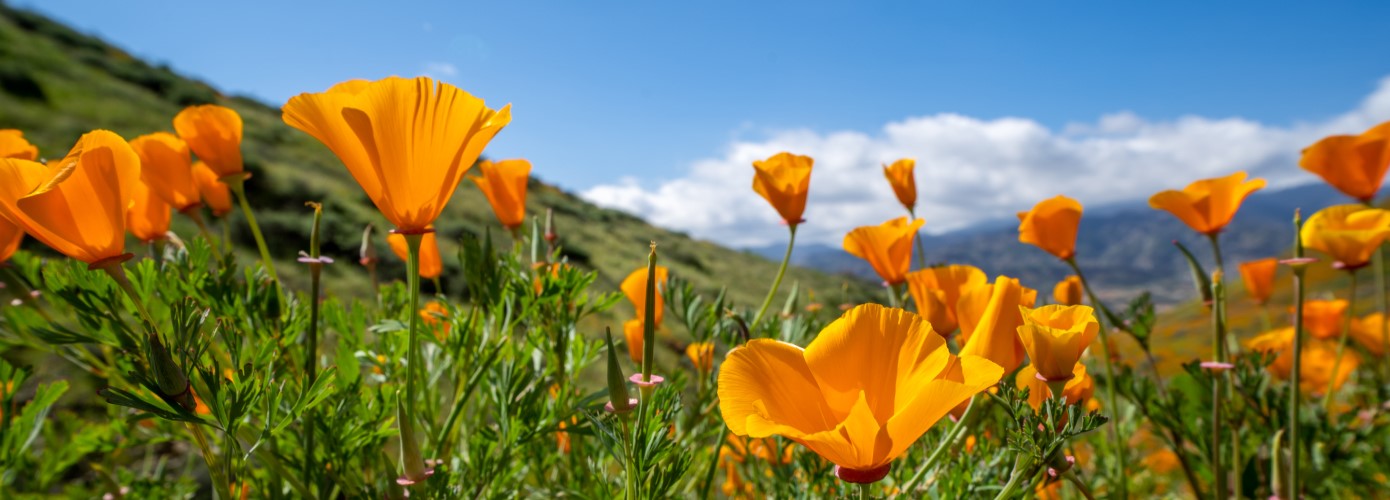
<point>1319,357</point>
<point>435,316</point>
<point>989,321</point>
<point>1367,332</point>
<point>407,142</point>
<point>76,205</point>
<point>783,180</point>
<point>1258,276</point>
<point>1354,164</point>
<point>14,145</point>
<point>904,184</point>
<point>431,264</point>
<point>214,134</point>
<point>634,286</point>
<point>937,290</point>
<point>167,169</point>
<point>1208,205</point>
<point>504,184</point>
<point>701,356</point>
<point>1079,388</point>
<point>10,238</point>
<point>148,216</point>
<point>213,192</point>
<point>869,385</point>
<point>1323,318</point>
<point>1055,336</point>
<point>1051,225</point>
<point>887,247</point>
<point>1349,234</point>
<point>1069,291</point>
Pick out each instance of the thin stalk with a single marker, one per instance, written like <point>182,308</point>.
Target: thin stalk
<point>777,282</point>
<point>238,185</point>
<point>893,294</point>
<point>1117,435</point>
<point>1021,464</point>
<point>221,484</point>
<point>196,216</point>
<point>117,272</point>
<point>941,448</point>
<point>1080,486</point>
<point>866,491</point>
<point>1295,396</point>
<point>1218,347</point>
<point>921,249</point>
<point>1341,344</point>
<point>311,342</point>
<point>411,460</point>
<point>1382,302</point>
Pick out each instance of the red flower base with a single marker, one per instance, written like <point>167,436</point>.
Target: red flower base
<point>862,476</point>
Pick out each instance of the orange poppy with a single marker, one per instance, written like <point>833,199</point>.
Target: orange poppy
<point>867,387</point>
<point>1354,164</point>
<point>1258,276</point>
<point>783,181</point>
<point>504,184</point>
<point>1208,205</point>
<point>10,238</point>
<point>435,316</point>
<point>887,247</point>
<point>937,290</point>
<point>1051,225</point>
<point>407,142</point>
<point>431,263</point>
<point>1350,234</point>
<point>1069,291</point>
<point>13,145</point>
<point>148,216</point>
<point>632,331</point>
<point>634,286</point>
<point>167,169</point>
<point>214,134</point>
<point>1055,336</point>
<point>701,355</point>
<point>1319,357</point>
<point>1323,318</point>
<point>1367,332</point>
<point>214,193</point>
<point>904,183</point>
<point>77,204</point>
<point>989,321</point>
<point>1079,388</point>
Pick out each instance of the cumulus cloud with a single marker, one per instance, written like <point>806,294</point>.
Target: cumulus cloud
<point>971,170</point>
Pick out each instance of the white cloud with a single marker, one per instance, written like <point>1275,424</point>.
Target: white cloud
<point>440,70</point>
<point>970,170</point>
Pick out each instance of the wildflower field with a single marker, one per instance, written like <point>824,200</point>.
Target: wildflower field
<point>143,355</point>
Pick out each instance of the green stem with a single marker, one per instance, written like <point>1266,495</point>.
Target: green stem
<point>1218,347</point>
<point>1341,344</point>
<point>1080,486</point>
<point>311,341</point>
<point>221,484</point>
<point>1295,384</point>
<point>777,282</point>
<point>411,460</point>
<point>866,491</point>
<point>1112,403</point>
<point>921,249</point>
<point>117,272</point>
<point>238,185</point>
<point>196,216</point>
<point>940,451</point>
<point>1021,465</point>
<point>893,295</point>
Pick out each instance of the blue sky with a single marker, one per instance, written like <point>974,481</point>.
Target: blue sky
<point>647,92</point>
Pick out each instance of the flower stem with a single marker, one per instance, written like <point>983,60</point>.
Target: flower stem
<point>196,216</point>
<point>1118,436</point>
<point>238,185</point>
<point>1218,347</point>
<point>866,491</point>
<point>777,282</point>
<point>117,272</point>
<point>410,456</point>
<point>221,484</point>
<point>1341,344</point>
<point>921,249</point>
<point>946,442</point>
<point>1021,466</point>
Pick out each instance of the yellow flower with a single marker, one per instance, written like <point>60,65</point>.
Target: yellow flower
<point>989,321</point>
<point>1319,356</point>
<point>504,184</point>
<point>214,134</point>
<point>1051,225</point>
<point>1347,233</point>
<point>1055,336</point>
<point>167,169</point>
<point>859,395</point>
<point>904,184</point>
<point>701,355</point>
<point>431,263</point>
<point>76,205</point>
<point>1069,291</point>
<point>1259,278</point>
<point>1207,205</point>
<point>937,290</point>
<point>634,286</point>
<point>887,247</point>
<point>1354,164</point>
<point>783,180</point>
<point>13,145</point>
<point>1079,389</point>
<point>408,142</point>
<point>1367,332</point>
<point>214,193</point>
<point>148,216</point>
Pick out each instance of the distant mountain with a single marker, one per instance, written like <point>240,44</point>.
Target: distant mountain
<point>1124,248</point>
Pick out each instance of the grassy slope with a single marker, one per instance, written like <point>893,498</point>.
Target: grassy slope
<point>56,84</point>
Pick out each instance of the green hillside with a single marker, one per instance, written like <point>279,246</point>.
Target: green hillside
<point>56,84</point>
